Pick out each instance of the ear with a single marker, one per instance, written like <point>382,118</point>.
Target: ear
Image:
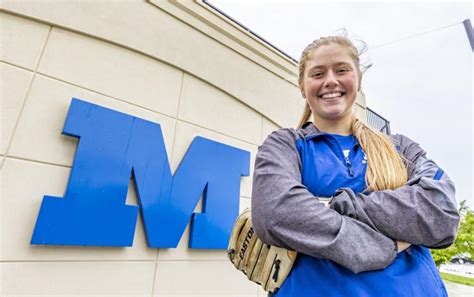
<point>302,90</point>
<point>302,93</point>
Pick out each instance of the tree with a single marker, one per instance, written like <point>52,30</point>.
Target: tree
<point>464,243</point>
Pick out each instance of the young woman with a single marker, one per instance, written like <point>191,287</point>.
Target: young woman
<point>390,203</point>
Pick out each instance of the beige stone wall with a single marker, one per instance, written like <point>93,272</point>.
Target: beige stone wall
<point>181,65</point>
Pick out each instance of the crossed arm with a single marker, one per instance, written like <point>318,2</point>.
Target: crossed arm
<point>422,212</point>
<point>357,231</point>
<point>286,214</point>
<point>401,245</point>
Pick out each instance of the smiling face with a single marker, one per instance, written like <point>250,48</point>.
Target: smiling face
<point>330,83</point>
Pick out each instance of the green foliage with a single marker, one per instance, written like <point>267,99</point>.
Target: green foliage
<point>457,279</point>
<point>464,243</point>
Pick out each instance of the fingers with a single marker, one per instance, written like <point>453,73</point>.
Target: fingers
<point>401,246</point>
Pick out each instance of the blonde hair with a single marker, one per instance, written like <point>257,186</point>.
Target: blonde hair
<point>385,167</point>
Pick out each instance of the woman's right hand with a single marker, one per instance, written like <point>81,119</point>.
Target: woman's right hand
<point>401,246</point>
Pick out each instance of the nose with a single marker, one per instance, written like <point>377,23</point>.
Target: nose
<point>331,80</point>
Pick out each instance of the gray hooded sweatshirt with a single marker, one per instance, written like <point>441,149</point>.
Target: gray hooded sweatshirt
<point>359,230</point>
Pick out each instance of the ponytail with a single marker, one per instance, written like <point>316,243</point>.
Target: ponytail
<point>385,167</point>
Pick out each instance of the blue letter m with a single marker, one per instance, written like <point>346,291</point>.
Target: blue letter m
<point>112,147</point>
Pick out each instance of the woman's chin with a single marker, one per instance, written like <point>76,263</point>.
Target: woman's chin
<point>333,114</point>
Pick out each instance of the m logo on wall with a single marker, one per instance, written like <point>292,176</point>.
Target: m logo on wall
<point>114,146</point>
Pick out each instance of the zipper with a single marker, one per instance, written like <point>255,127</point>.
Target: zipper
<point>347,161</point>
<point>349,166</point>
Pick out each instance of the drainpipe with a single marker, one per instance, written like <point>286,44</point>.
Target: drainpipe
<point>470,32</point>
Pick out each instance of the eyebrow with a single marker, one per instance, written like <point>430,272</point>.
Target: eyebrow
<point>323,66</point>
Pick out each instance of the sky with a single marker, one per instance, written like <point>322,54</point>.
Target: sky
<point>421,76</point>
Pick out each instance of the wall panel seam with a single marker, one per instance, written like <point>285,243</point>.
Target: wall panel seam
<point>37,162</point>
<point>17,66</point>
<point>27,94</point>
<point>100,93</point>
<point>70,166</point>
<point>171,158</point>
<point>218,132</point>
<point>148,109</point>
<point>178,5</point>
<point>120,45</point>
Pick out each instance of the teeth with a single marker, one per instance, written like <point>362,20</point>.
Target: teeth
<point>331,95</point>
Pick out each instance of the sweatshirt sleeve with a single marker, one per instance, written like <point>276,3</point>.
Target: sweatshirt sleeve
<point>286,214</point>
<point>422,212</point>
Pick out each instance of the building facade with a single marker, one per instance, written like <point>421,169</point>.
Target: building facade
<point>183,65</point>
